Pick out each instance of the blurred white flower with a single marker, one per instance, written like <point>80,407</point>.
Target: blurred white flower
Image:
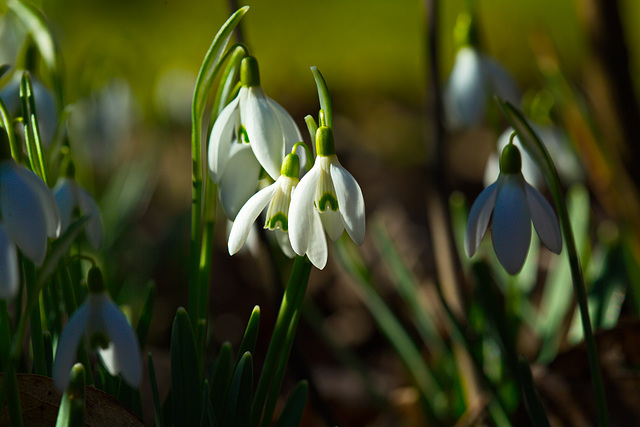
<point>512,205</point>
<point>106,329</point>
<point>278,197</point>
<point>328,197</point>
<point>9,270</point>
<point>29,211</point>
<point>69,197</point>
<point>474,79</point>
<point>252,120</point>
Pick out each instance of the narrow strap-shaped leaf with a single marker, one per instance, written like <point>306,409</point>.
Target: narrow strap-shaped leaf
<point>157,409</point>
<point>185,379</point>
<point>222,371</point>
<point>144,322</point>
<point>237,408</point>
<point>292,412</point>
<point>531,398</point>
<point>251,332</point>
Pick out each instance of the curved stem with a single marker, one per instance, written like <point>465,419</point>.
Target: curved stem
<point>538,152</point>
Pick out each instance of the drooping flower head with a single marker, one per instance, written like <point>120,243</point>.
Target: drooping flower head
<point>474,79</point>
<point>70,198</point>
<point>327,198</point>
<point>107,331</point>
<point>277,197</point>
<point>27,207</point>
<point>511,204</point>
<point>251,132</point>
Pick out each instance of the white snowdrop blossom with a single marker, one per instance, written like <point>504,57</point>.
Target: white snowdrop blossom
<point>327,197</point>
<point>9,270</point>
<point>251,132</point>
<point>28,209</point>
<point>70,196</point>
<point>106,329</point>
<point>512,204</point>
<point>474,79</point>
<point>277,197</point>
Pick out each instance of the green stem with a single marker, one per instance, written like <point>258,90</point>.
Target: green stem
<point>538,152</point>
<point>37,344</point>
<point>291,303</point>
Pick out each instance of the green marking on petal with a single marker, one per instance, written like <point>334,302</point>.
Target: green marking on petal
<point>278,219</point>
<point>97,340</point>
<point>243,136</point>
<point>330,199</point>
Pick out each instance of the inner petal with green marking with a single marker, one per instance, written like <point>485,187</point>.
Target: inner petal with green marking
<point>98,339</point>
<point>278,211</point>
<point>325,191</point>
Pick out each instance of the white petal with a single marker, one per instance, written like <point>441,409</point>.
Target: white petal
<point>88,206</point>
<point>302,209</point>
<point>23,214</point>
<point>64,195</point>
<point>479,218</point>
<point>222,134</point>
<point>317,250</point>
<point>123,354</point>
<point>332,223</point>
<point>68,345</point>
<point>465,95</point>
<point>265,132</point>
<point>49,207</point>
<point>544,219</point>
<point>9,274</point>
<point>247,216</point>
<point>285,244</point>
<point>511,231</point>
<point>290,130</point>
<point>239,180</point>
<point>350,202</point>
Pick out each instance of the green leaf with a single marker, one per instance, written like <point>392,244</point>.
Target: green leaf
<point>534,406</point>
<point>37,27</point>
<point>292,412</point>
<point>142,329</point>
<point>157,408</point>
<point>185,379</point>
<point>237,408</point>
<point>251,333</point>
<point>71,412</point>
<point>220,378</point>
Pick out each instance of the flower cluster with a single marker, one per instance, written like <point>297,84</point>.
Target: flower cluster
<point>254,132</point>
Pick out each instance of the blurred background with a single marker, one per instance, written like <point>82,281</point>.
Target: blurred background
<point>129,72</point>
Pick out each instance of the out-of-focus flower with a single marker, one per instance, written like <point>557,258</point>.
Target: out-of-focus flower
<point>474,79</point>
<point>69,197</point>
<point>512,204</point>
<point>9,274</point>
<point>278,197</point>
<point>29,211</point>
<point>568,166</point>
<point>107,330</point>
<point>252,120</point>
<point>327,197</point>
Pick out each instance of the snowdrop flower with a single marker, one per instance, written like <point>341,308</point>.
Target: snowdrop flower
<point>512,204</point>
<point>329,198</point>
<point>252,131</point>
<point>70,196</point>
<point>9,274</point>
<point>107,330</point>
<point>29,211</point>
<point>278,197</point>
